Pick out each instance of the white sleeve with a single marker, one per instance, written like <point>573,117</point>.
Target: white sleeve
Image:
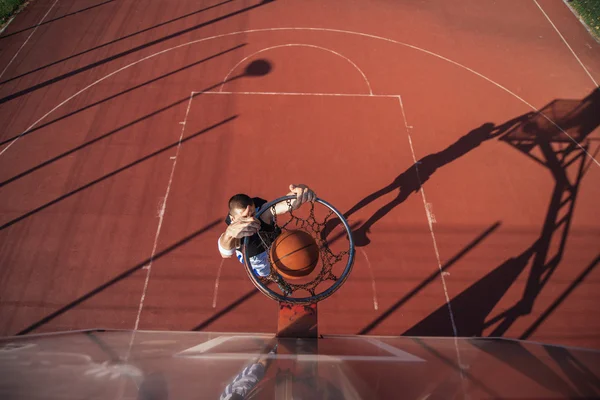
<point>223,250</point>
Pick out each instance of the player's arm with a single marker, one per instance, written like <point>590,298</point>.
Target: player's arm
<point>227,245</point>
<point>303,194</point>
<point>232,237</point>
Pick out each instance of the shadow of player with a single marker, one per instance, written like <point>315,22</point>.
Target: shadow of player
<point>416,175</point>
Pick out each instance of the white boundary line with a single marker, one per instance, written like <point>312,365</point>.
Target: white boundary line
<point>161,217</point>
<point>359,95</point>
<point>375,303</point>
<point>404,355</point>
<point>27,40</point>
<point>304,94</point>
<point>214,302</point>
<point>422,191</point>
<point>345,385</point>
<point>377,342</point>
<point>209,344</point>
<point>298,45</point>
<point>566,43</point>
<point>200,351</point>
<point>433,54</point>
<point>429,221</point>
<point>435,246</point>
<point>7,24</point>
<point>297,357</point>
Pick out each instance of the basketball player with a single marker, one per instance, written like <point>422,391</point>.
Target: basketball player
<point>242,223</point>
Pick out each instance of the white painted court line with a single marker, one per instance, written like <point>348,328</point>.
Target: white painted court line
<point>344,383</point>
<point>566,43</point>
<point>283,29</point>
<point>297,357</point>
<point>28,37</point>
<point>222,338</point>
<point>7,24</point>
<point>304,94</point>
<point>299,45</point>
<point>202,351</point>
<point>370,95</point>
<point>161,217</point>
<point>215,292</point>
<point>399,354</point>
<point>204,347</point>
<point>435,246</point>
<point>375,303</point>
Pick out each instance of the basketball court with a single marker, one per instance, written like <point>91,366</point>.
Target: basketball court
<point>459,140</point>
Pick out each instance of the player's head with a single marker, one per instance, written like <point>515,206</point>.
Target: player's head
<point>241,206</point>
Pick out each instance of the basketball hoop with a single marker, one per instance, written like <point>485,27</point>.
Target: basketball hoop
<point>328,257</point>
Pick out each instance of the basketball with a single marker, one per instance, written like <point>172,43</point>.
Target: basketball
<point>295,254</point>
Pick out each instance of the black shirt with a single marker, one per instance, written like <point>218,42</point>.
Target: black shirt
<point>269,231</point>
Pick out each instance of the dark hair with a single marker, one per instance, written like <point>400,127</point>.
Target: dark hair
<point>240,201</point>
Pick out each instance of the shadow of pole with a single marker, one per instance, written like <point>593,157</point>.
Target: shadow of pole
<point>565,156</point>
<point>460,370</point>
<point>112,174</point>
<point>411,180</point>
<point>55,19</point>
<point>246,73</point>
<point>465,315</point>
<point>560,151</point>
<point>543,316</point>
<point>112,354</point>
<point>117,278</point>
<point>255,69</point>
<point>517,357</point>
<point>123,54</point>
<point>114,96</point>
<point>227,309</point>
<point>111,42</point>
<point>428,280</point>
<point>95,140</point>
<point>578,373</point>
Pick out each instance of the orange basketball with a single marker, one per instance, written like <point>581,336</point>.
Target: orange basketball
<point>295,254</point>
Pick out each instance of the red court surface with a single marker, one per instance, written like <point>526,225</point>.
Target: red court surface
<point>128,124</point>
